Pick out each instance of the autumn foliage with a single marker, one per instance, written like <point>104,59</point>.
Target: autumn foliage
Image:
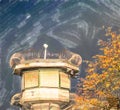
<point>101,86</point>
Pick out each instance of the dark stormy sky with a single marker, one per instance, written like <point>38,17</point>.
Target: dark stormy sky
<point>72,24</point>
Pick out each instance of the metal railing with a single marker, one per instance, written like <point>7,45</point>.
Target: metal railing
<point>20,57</point>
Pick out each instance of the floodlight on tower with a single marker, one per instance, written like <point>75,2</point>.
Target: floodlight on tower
<point>45,51</point>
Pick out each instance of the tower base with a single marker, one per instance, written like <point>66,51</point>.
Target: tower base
<point>45,106</point>
<point>49,105</point>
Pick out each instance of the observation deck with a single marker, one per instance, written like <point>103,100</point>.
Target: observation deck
<point>46,81</point>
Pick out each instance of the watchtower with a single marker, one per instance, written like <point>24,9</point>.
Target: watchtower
<point>45,82</point>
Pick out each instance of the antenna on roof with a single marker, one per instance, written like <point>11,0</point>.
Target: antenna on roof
<point>45,51</point>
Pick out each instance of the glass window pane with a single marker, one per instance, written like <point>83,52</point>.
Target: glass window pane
<point>49,78</point>
<point>64,80</point>
<point>31,78</point>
